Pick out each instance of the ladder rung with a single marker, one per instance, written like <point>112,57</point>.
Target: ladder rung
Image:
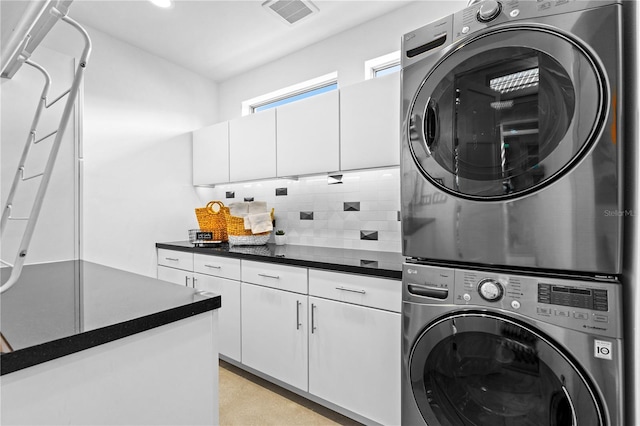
<point>58,98</point>
<point>31,177</point>
<point>18,218</point>
<point>6,263</point>
<point>45,137</point>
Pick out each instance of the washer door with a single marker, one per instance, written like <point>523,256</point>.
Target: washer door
<point>506,113</point>
<point>475,368</point>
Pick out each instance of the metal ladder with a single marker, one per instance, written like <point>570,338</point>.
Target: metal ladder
<point>45,176</point>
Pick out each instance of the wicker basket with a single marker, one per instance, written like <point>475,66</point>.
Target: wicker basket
<point>240,236</point>
<point>213,221</point>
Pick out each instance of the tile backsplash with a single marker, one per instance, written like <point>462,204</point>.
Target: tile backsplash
<point>357,210</point>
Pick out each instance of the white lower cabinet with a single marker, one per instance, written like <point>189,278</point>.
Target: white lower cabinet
<point>176,276</point>
<point>228,313</point>
<point>175,267</point>
<point>274,333</point>
<point>332,335</point>
<point>214,274</point>
<point>354,358</point>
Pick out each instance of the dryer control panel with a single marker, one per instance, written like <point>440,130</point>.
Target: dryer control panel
<point>593,307</point>
<point>488,13</point>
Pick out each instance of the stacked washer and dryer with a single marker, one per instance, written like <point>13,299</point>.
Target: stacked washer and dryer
<point>512,214</point>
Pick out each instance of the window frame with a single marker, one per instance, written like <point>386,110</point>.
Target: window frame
<point>375,65</point>
<point>249,106</point>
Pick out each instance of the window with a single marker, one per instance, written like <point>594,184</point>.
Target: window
<point>292,93</point>
<point>294,98</point>
<point>382,65</point>
<point>386,70</point>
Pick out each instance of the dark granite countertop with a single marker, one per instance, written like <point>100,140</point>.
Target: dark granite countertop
<point>56,309</point>
<point>366,262</point>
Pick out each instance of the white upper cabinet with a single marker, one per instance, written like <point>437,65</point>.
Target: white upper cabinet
<point>252,146</point>
<point>211,154</point>
<point>370,123</point>
<point>309,135</point>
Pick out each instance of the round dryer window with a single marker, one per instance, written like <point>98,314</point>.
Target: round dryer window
<point>506,112</point>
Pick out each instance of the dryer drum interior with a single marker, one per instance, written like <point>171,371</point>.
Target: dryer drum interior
<point>486,369</point>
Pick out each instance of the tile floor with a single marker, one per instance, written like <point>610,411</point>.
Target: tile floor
<point>247,400</point>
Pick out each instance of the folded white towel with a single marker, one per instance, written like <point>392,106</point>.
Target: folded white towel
<point>260,222</point>
<point>239,209</point>
<point>257,207</point>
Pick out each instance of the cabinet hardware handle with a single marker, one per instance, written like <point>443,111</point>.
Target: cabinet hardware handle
<point>172,259</point>
<point>212,266</point>
<point>186,281</point>
<point>313,318</point>
<point>194,282</point>
<point>298,324</point>
<point>269,276</point>
<point>351,290</point>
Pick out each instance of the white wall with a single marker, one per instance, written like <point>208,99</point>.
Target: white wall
<point>139,111</point>
<point>345,53</point>
<point>55,237</point>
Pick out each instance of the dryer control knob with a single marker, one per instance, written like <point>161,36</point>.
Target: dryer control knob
<point>490,290</point>
<point>489,10</point>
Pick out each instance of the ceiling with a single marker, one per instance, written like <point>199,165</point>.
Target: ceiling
<point>220,39</point>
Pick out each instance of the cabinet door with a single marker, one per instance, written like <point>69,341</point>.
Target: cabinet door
<point>308,136</point>
<point>211,154</point>
<point>228,314</point>
<point>370,123</point>
<point>252,146</point>
<point>354,358</point>
<point>175,276</point>
<point>274,333</point>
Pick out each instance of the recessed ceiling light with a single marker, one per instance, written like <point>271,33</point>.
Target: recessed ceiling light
<point>161,3</point>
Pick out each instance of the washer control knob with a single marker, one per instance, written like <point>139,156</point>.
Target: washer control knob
<point>466,297</point>
<point>515,304</point>
<point>490,290</point>
<point>489,10</point>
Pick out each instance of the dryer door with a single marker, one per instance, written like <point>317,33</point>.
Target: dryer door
<point>479,368</point>
<point>505,113</point>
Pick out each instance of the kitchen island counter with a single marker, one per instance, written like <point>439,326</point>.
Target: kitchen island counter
<point>92,344</point>
<point>365,262</point>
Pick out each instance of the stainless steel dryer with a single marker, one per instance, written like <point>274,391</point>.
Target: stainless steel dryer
<point>511,146</point>
<point>487,348</point>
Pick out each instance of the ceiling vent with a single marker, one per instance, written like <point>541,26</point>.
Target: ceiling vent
<point>291,11</point>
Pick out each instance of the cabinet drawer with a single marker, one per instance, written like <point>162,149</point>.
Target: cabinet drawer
<point>175,276</point>
<point>382,293</point>
<point>290,278</point>
<point>175,259</point>
<point>217,266</point>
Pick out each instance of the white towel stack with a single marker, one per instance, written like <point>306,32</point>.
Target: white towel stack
<point>255,213</point>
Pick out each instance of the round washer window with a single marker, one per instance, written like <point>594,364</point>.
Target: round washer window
<point>472,368</point>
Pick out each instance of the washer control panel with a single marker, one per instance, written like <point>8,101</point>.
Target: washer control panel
<point>587,305</point>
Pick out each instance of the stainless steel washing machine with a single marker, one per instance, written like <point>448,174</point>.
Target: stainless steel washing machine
<point>490,348</point>
<point>511,140</point>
